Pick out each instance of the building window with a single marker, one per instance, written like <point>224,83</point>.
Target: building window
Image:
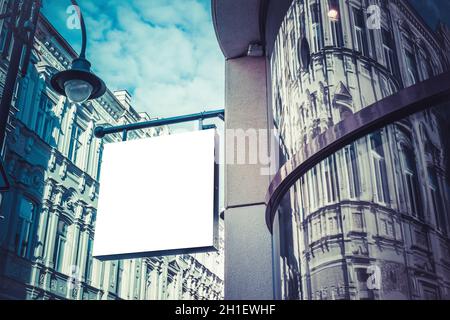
<point>60,245</point>
<point>426,65</point>
<point>360,31</point>
<point>4,28</point>
<point>388,50</point>
<point>316,191</point>
<point>436,199</point>
<point>351,164</point>
<point>75,143</point>
<point>44,121</point>
<point>335,24</point>
<point>24,238</point>
<point>316,27</point>
<point>379,170</point>
<point>410,60</point>
<point>411,182</point>
<point>88,269</point>
<point>330,179</point>
<point>116,276</point>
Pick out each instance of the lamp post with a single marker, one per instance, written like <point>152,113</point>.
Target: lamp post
<point>78,84</point>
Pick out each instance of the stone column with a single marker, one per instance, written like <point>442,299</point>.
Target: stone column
<point>50,238</point>
<point>142,279</point>
<point>248,253</point>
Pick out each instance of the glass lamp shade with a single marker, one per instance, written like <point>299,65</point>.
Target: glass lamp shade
<point>78,91</point>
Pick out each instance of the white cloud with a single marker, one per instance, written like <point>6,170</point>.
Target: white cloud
<point>164,52</point>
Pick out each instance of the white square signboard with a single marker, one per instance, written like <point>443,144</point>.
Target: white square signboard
<point>158,196</point>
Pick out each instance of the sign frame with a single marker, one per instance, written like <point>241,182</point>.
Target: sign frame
<point>188,250</point>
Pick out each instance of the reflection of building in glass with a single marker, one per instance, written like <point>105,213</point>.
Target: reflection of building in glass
<point>371,221</point>
<point>53,161</point>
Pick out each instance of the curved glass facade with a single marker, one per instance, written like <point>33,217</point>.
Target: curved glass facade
<point>372,221</point>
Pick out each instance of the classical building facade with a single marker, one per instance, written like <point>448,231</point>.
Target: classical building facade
<point>373,220</point>
<point>48,217</point>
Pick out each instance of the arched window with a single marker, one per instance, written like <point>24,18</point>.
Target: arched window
<point>359,29</point>
<point>410,180</point>
<point>4,28</point>
<point>304,54</point>
<point>436,199</point>
<point>329,173</point>
<point>388,50</point>
<point>410,58</point>
<point>89,260</point>
<point>75,144</point>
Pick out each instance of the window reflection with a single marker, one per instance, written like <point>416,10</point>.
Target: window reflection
<point>372,220</point>
<point>24,234</point>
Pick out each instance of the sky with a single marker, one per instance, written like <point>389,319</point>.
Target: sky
<point>164,52</point>
<point>433,10</point>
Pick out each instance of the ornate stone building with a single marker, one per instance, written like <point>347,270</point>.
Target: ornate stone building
<point>381,206</point>
<point>48,216</point>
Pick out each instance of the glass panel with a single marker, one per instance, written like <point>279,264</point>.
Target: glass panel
<point>372,237</point>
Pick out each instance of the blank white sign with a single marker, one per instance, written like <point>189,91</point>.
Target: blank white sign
<point>157,197</point>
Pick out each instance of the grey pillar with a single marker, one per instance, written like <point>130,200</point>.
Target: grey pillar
<point>248,253</point>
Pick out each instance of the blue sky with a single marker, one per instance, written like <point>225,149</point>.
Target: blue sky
<point>164,52</point>
<point>433,10</point>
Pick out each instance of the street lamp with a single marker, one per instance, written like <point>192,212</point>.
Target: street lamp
<point>78,83</point>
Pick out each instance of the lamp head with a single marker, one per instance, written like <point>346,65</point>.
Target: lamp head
<point>78,83</point>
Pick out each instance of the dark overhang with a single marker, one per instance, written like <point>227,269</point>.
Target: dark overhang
<point>237,24</point>
<point>240,23</point>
